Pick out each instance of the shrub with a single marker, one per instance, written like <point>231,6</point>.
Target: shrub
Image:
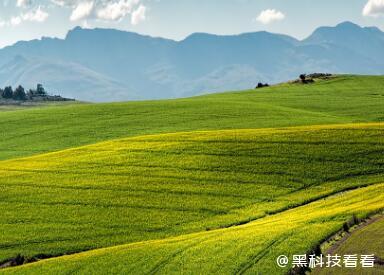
<point>261,85</point>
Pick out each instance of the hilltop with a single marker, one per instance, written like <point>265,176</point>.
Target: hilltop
<point>220,183</point>
<point>343,99</point>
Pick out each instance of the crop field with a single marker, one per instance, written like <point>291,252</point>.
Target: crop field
<point>345,99</point>
<point>246,249</point>
<point>214,184</point>
<point>368,240</point>
<point>156,186</point>
<point>4,107</point>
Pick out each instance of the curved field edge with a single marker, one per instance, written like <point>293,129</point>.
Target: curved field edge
<point>56,128</point>
<point>159,186</point>
<point>249,248</point>
<point>365,239</point>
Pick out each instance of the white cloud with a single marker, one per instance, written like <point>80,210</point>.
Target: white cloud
<point>23,3</point>
<point>116,10</point>
<point>15,21</point>
<point>82,11</point>
<point>85,25</point>
<point>138,15</point>
<point>269,16</point>
<point>106,10</point>
<point>374,8</point>
<point>38,15</point>
<point>68,3</point>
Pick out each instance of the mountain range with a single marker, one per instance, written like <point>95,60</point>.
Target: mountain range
<point>110,65</point>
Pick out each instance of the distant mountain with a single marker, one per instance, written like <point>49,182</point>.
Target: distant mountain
<point>361,46</point>
<point>112,65</point>
<point>71,79</point>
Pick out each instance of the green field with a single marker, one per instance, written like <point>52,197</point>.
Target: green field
<point>368,240</point>
<point>245,249</point>
<point>4,106</point>
<point>345,99</point>
<point>214,184</point>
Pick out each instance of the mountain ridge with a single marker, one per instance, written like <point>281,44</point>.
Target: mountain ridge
<point>146,67</point>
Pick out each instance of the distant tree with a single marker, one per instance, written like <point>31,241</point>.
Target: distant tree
<point>1,92</point>
<point>19,93</point>
<point>7,92</point>
<point>40,90</point>
<point>30,94</point>
<point>303,77</point>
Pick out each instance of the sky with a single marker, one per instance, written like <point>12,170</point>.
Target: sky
<point>176,19</point>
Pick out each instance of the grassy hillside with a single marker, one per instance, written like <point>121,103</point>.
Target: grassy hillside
<point>219,184</point>
<point>246,249</point>
<point>6,106</point>
<point>344,99</point>
<point>367,240</point>
<point>157,186</point>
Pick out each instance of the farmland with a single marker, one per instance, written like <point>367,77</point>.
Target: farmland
<point>247,249</point>
<point>368,239</point>
<point>215,184</point>
<point>345,99</point>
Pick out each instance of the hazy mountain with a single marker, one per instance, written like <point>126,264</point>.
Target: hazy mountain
<point>111,65</point>
<point>351,46</point>
<point>365,41</point>
<point>68,79</point>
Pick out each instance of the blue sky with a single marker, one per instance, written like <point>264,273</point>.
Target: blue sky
<point>30,19</point>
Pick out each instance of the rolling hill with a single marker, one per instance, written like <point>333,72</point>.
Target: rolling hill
<point>220,183</point>
<point>246,249</point>
<point>112,65</point>
<point>154,187</point>
<point>344,99</point>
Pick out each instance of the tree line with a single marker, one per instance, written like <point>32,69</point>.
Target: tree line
<point>20,94</point>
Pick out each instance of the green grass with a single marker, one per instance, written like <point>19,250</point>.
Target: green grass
<point>247,249</point>
<point>213,184</point>
<point>4,107</point>
<point>345,99</point>
<point>152,187</point>
<point>368,240</point>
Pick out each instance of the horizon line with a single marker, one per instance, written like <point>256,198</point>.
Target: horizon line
<point>191,34</point>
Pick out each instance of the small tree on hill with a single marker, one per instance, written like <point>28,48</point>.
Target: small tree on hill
<point>19,93</point>
<point>261,85</point>
<point>8,92</point>
<point>303,77</point>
